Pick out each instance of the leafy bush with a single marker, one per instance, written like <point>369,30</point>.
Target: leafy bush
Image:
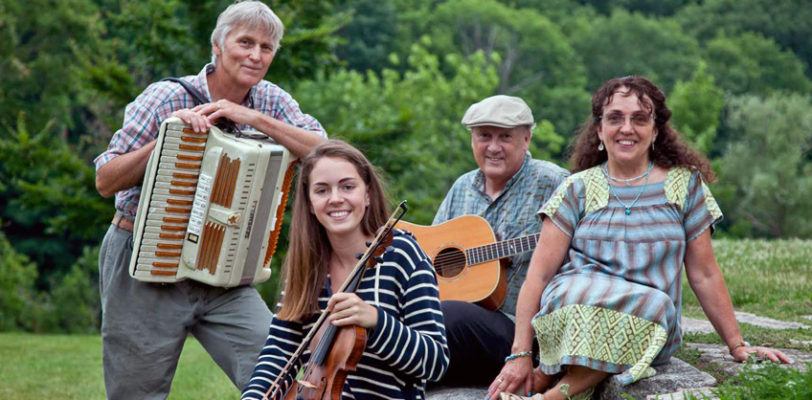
<point>17,275</point>
<point>75,297</point>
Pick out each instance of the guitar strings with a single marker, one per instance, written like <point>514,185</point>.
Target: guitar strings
<point>447,261</point>
<point>458,259</point>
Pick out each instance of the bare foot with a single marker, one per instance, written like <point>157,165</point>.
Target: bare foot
<point>542,382</point>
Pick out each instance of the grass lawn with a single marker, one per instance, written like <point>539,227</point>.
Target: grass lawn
<point>768,278</point>
<point>70,367</point>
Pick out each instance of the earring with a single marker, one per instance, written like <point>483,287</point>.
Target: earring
<point>652,144</point>
<point>600,147</point>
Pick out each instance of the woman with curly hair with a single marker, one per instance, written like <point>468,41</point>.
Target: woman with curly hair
<point>603,292</point>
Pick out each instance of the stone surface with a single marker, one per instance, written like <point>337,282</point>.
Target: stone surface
<point>705,393</point>
<point>457,393</point>
<point>673,377</point>
<point>717,354</point>
<point>693,325</point>
<point>765,322</point>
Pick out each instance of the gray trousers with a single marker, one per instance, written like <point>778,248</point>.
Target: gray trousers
<point>144,325</point>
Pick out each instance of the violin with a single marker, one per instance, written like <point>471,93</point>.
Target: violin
<point>334,351</point>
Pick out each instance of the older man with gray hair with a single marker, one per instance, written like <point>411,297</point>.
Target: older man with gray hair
<point>144,325</point>
<point>507,190</point>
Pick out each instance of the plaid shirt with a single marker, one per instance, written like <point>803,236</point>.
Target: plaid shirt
<point>512,214</point>
<point>143,118</point>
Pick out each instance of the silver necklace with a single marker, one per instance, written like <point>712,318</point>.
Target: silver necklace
<point>629,180</point>
<point>628,207</point>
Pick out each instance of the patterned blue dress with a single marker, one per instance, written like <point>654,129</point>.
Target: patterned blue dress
<point>615,304</point>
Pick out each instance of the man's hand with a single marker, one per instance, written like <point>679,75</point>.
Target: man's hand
<point>196,120</point>
<point>226,109</point>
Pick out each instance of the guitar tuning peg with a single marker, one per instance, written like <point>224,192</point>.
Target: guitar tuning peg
<point>369,244</point>
<point>378,259</point>
<point>359,255</point>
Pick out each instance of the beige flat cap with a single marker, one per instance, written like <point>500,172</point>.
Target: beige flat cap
<point>502,111</point>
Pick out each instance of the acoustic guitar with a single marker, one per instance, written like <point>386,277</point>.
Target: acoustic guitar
<point>466,258</point>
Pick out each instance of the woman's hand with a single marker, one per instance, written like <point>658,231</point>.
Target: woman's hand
<point>742,353</point>
<point>348,309</point>
<point>517,374</point>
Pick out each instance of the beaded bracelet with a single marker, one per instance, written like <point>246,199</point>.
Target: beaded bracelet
<point>517,355</point>
<point>740,344</point>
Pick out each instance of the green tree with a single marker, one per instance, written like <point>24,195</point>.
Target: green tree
<point>39,42</point>
<point>785,21</point>
<point>633,44</point>
<point>369,38</point>
<point>407,123</point>
<point>649,7</point>
<point>535,61</point>
<point>17,276</point>
<point>75,295</point>
<point>769,166</point>
<point>48,199</point>
<point>696,106</point>
<point>750,63</point>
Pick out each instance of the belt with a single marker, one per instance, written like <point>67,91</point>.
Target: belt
<point>122,223</point>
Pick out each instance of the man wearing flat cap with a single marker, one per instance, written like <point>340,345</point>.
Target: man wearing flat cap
<point>507,190</point>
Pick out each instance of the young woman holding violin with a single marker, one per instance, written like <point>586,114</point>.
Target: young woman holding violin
<point>339,206</point>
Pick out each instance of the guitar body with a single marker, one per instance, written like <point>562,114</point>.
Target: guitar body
<point>446,244</point>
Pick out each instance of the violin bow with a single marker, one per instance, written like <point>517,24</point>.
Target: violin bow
<point>400,210</point>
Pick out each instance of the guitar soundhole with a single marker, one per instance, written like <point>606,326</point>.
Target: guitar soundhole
<point>449,262</point>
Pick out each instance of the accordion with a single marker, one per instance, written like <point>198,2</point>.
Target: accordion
<point>211,207</point>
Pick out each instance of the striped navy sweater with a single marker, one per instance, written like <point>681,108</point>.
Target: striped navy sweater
<point>405,349</point>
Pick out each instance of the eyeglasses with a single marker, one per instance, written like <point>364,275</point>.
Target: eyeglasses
<point>616,119</point>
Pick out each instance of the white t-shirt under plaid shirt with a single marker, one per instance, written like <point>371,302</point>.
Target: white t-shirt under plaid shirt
<point>143,118</point>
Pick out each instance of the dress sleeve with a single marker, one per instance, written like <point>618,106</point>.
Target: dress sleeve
<point>701,210</point>
<point>284,338</point>
<point>564,206</point>
<point>413,342</point>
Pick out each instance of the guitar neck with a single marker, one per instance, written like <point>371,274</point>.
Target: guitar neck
<point>503,249</point>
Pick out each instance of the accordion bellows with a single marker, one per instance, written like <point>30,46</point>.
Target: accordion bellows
<point>211,206</point>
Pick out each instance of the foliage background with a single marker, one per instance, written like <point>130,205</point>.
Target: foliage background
<point>393,77</point>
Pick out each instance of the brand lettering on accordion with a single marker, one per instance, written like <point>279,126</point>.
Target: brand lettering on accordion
<point>197,188</point>
<point>198,215</point>
<point>250,221</point>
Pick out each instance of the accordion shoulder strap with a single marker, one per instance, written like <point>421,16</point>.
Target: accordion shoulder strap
<point>196,95</point>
